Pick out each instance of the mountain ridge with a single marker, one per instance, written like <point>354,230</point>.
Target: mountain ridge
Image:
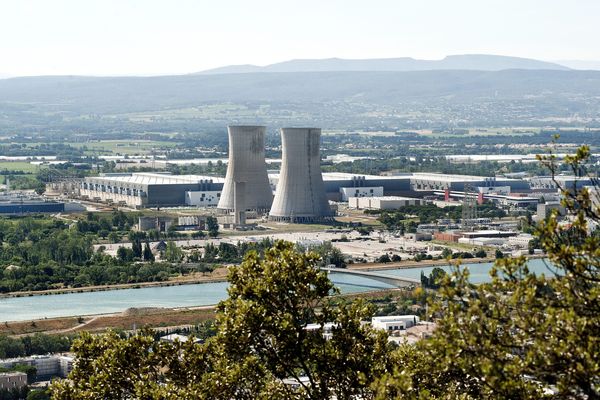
<point>477,62</point>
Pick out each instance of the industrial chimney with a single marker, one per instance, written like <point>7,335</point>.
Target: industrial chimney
<point>300,194</point>
<point>246,172</point>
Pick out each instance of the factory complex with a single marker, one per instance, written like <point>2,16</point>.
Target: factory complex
<point>299,191</point>
<point>152,189</point>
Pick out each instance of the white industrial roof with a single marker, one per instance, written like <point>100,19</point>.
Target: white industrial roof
<point>392,198</point>
<point>148,178</point>
<point>341,176</point>
<point>451,178</point>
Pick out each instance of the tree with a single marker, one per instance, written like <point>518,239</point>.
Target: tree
<point>38,394</point>
<point>124,254</point>
<point>480,253</point>
<point>147,254</point>
<point>523,334</point>
<point>329,254</point>
<point>264,336</point>
<point>136,247</point>
<point>435,278</point>
<point>212,226</point>
<point>277,288</point>
<point>446,252</point>
<point>114,237</point>
<point>384,258</point>
<point>173,253</point>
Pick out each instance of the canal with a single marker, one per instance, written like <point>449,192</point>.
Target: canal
<point>112,301</point>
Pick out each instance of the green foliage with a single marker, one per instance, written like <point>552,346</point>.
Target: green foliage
<point>261,339</point>
<point>147,254</point>
<point>426,214</point>
<point>36,344</point>
<point>14,393</point>
<point>38,394</point>
<point>329,255</point>
<point>212,226</point>
<point>435,278</point>
<point>384,258</point>
<point>446,252</point>
<point>480,253</point>
<point>173,253</point>
<point>521,336</point>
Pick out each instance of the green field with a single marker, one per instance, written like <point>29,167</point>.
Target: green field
<point>24,166</point>
<point>124,147</point>
<point>520,131</point>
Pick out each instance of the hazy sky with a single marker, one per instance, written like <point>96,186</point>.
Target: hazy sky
<point>108,37</point>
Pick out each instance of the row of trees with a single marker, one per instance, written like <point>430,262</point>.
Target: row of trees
<point>403,218</point>
<point>36,344</point>
<point>39,253</point>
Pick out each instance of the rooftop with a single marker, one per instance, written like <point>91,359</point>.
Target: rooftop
<point>392,198</point>
<point>455,178</point>
<point>152,178</point>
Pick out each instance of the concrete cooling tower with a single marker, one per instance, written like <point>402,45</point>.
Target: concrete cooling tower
<point>246,172</point>
<point>300,194</point>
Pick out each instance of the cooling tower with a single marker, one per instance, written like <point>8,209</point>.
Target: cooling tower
<point>246,164</point>
<point>300,194</point>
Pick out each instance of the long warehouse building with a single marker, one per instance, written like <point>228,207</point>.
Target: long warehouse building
<point>139,190</point>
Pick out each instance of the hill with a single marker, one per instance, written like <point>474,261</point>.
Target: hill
<point>329,99</point>
<point>479,62</point>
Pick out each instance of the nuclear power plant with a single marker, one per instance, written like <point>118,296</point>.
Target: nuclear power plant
<point>300,194</point>
<point>246,184</point>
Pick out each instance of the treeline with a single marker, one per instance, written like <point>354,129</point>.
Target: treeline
<point>11,347</point>
<point>40,253</point>
<point>403,217</point>
<point>399,218</point>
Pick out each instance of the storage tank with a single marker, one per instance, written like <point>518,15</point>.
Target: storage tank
<point>300,193</point>
<point>246,165</point>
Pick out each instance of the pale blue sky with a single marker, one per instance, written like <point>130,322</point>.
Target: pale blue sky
<point>105,37</point>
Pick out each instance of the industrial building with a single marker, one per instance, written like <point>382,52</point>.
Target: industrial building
<point>28,204</point>
<point>146,189</point>
<point>422,181</point>
<point>392,323</point>
<point>302,191</point>
<point>47,366</point>
<point>339,186</point>
<point>300,194</point>
<point>12,380</point>
<point>246,184</point>
<point>566,182</point>
<point>383,202</point>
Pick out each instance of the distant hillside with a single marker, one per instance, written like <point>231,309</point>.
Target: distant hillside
<point>581,64</point>
<point>126,94</point>
<point>340,100</point>
<point>478,62</point>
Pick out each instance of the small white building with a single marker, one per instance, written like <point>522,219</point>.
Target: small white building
<point>175,337</point>
<point>483,241</point>
<point>12,380</point>
<point>327,329</point>
<point>520,241</point>
<point>202,199</point>
<point>369,191</point>
<point>393,323</point>
<point>383,202</point>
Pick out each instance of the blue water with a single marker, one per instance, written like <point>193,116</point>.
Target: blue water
<point>75,304</point>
